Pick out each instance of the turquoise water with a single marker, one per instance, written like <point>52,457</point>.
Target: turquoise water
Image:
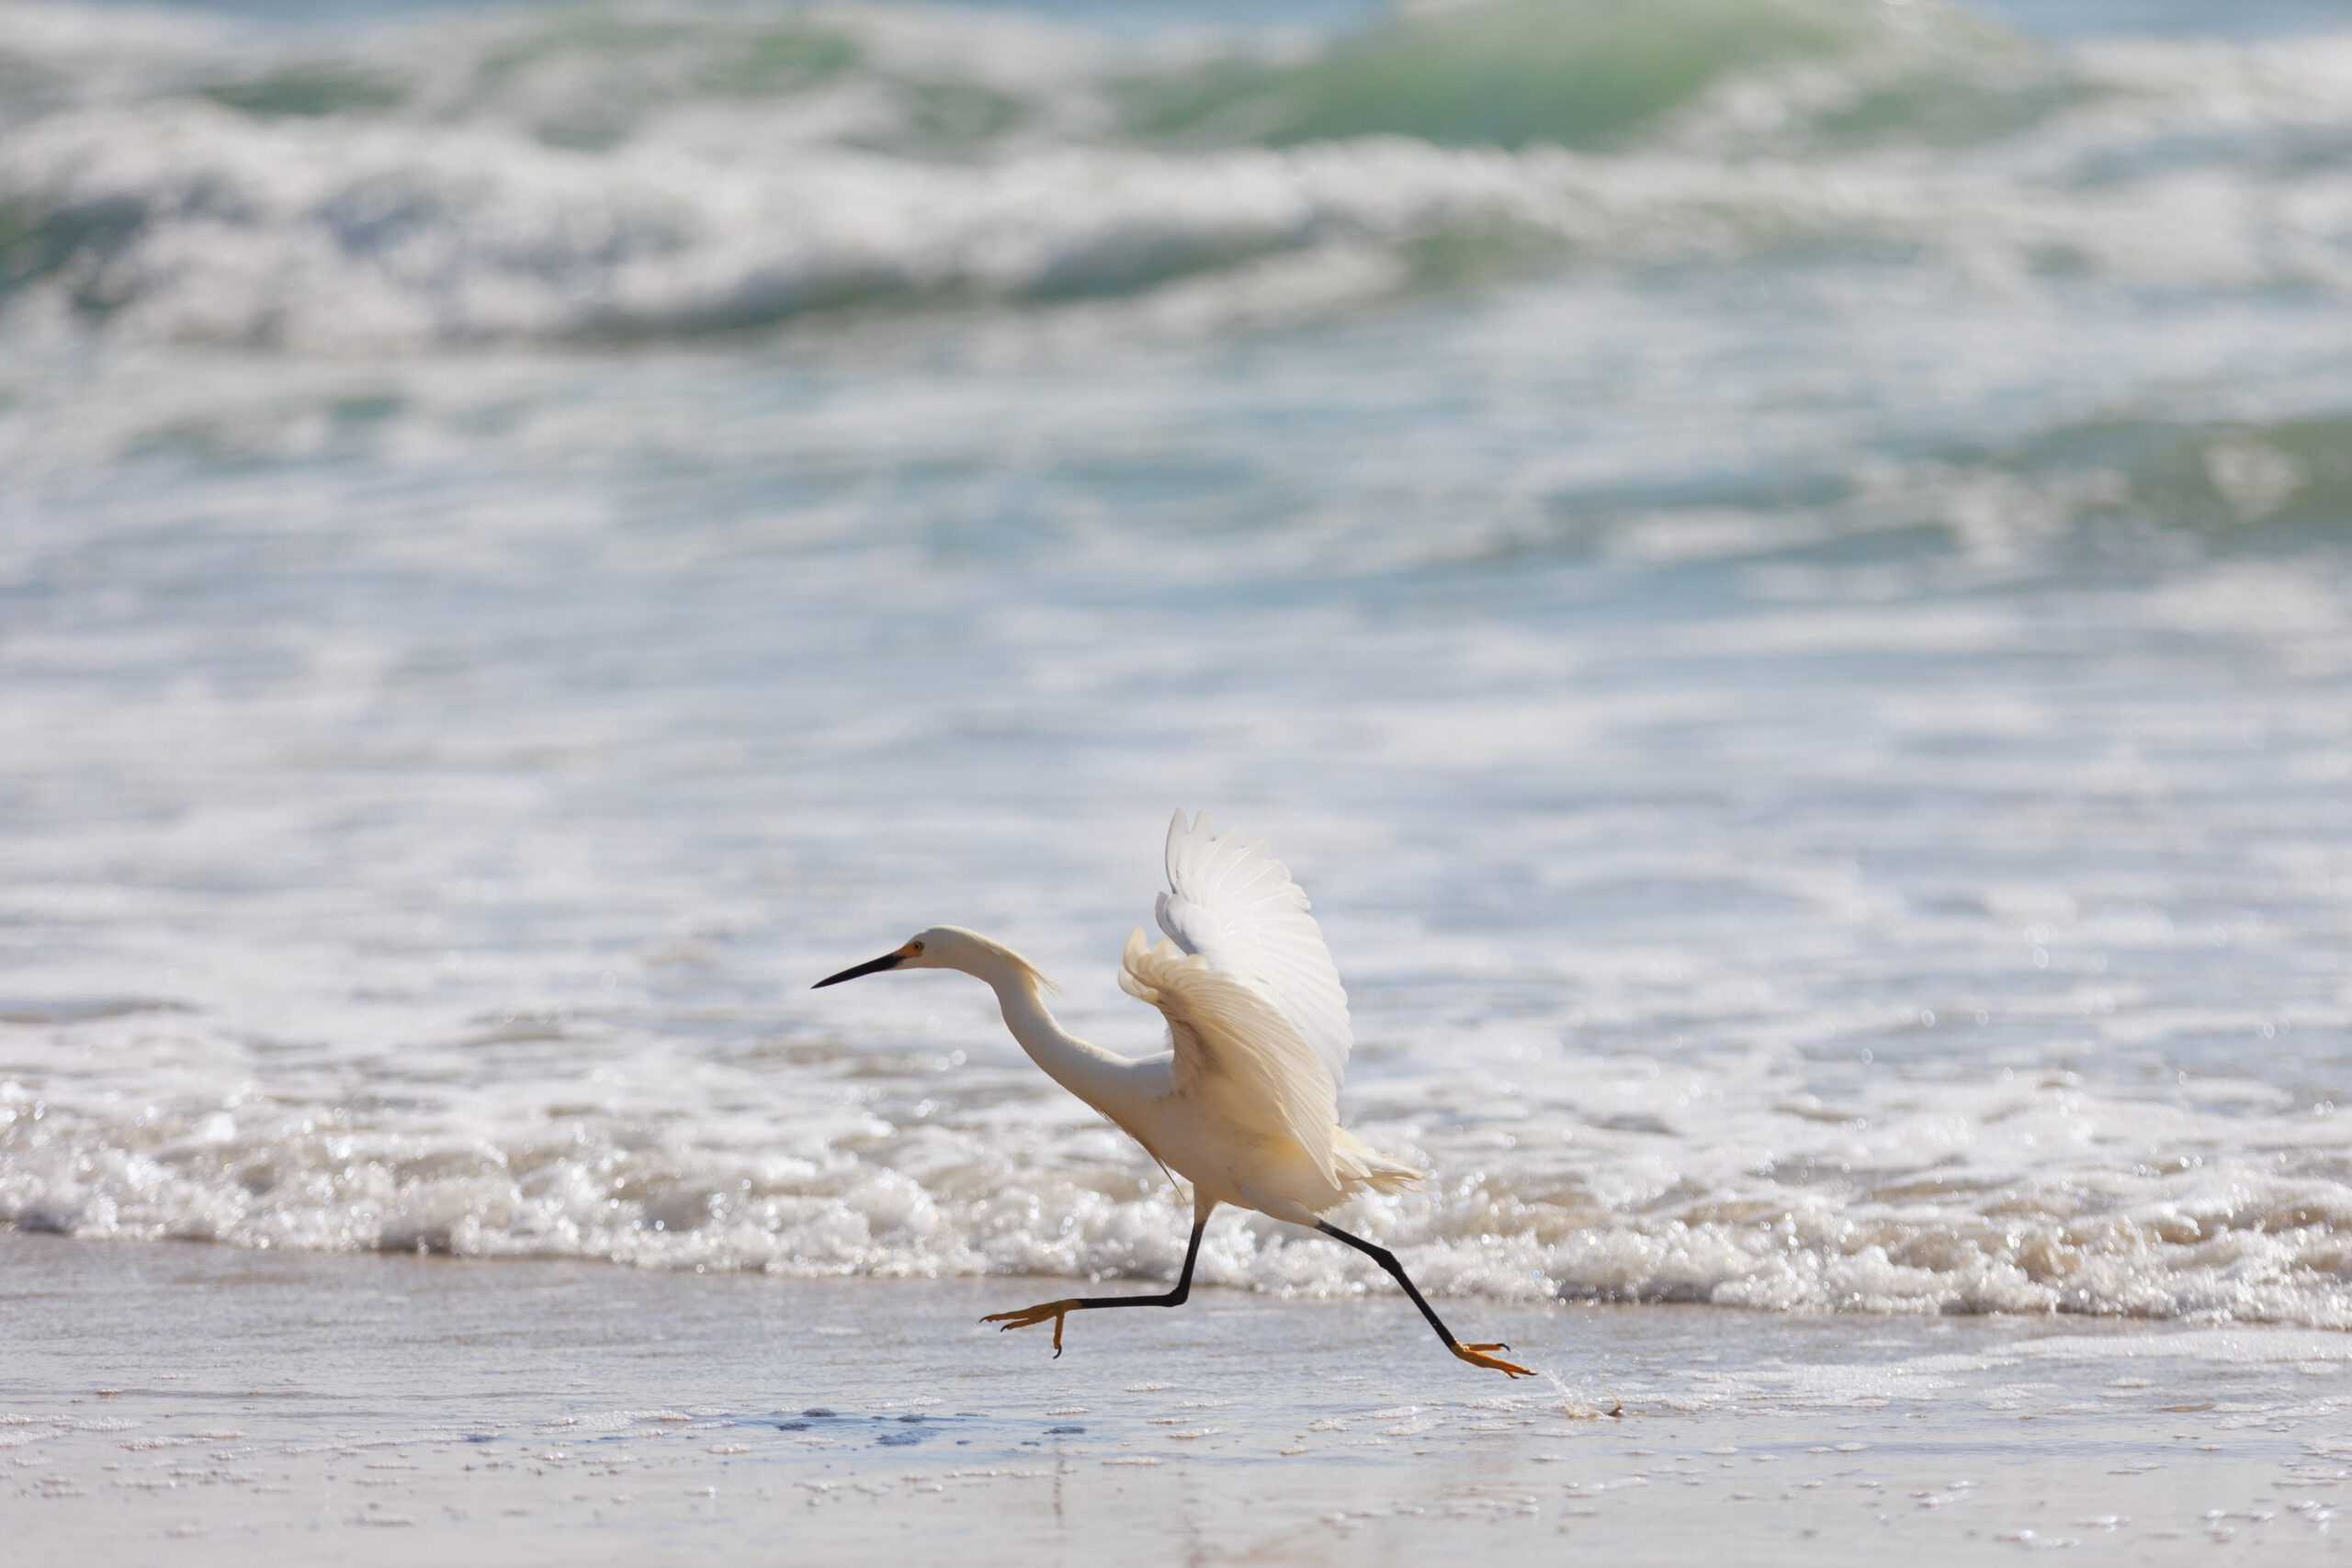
<point>1778,570</point>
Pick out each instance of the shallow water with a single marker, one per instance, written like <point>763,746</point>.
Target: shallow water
<point>1796,630</point>
<point>393,1406</point>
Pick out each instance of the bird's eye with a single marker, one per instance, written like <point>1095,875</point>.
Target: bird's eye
<point>914,950</point>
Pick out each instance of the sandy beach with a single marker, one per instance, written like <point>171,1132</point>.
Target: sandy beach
<point>198,1404</point>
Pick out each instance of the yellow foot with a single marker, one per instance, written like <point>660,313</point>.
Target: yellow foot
<point>1029,1317</point>
<point>1476,1356</point>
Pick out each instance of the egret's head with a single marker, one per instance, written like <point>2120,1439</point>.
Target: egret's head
<point>946,947</point>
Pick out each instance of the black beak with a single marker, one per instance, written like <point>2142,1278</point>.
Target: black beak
<point>874,966</point>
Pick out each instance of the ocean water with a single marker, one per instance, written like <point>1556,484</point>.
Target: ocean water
<point>1780,570</point>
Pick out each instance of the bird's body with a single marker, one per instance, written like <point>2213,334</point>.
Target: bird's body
<point>1244,1104</point>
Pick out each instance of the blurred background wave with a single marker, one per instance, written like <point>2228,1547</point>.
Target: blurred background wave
<point>1780,569</point>
<point>592,173</point>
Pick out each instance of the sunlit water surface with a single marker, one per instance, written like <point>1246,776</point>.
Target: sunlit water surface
<point>1795,621</point>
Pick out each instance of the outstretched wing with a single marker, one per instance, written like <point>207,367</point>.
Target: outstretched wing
<point>1235,904</point>
<point>1225,1031</point>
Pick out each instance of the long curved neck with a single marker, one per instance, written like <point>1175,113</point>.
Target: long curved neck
<point>1094,1074</point>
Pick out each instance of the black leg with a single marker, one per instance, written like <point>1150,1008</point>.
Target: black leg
<point>1028,1316</point>
<point>1174,1298</point>
<point>1474,1354</point>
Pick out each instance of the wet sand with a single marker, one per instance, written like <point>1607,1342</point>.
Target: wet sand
<point>167,1404</point>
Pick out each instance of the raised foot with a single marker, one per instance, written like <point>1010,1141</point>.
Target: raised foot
<point>1476,1356</point>
<point>1029,1317</point>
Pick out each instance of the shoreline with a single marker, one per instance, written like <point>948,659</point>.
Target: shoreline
<point>191,1404</point>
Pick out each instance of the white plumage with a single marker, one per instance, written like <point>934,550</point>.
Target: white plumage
<point>1244,1104</point>
<point>1235,904</point>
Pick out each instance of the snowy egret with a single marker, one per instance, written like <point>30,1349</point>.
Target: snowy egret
<point>1245,1102</point>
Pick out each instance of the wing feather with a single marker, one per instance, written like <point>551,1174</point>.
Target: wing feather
<point>1232,902</point>
<point>1223,1029</point>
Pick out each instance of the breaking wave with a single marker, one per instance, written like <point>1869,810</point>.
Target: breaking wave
<point>1728,1183</point>
<point>643,169</point>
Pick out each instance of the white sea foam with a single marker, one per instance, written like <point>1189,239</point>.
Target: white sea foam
<point>1717,1182</point>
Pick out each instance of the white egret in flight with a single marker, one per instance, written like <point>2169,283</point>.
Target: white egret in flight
<point>1245,1102</point>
